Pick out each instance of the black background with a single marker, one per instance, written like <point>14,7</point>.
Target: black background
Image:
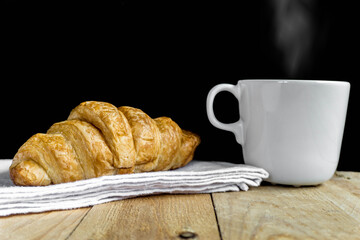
<point>162,57</point>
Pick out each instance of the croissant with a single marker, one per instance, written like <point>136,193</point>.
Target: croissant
<point>100,139</point>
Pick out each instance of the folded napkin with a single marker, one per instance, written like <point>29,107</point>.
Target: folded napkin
<point>196,177</point>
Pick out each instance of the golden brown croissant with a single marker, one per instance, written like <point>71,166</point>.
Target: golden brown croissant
<point>99,139</point>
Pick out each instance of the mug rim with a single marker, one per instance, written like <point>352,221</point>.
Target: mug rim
<point>296,81</point>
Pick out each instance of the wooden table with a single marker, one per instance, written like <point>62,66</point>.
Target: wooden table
<point>328,211</point>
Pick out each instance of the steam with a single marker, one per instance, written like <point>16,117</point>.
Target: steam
<point>294,33</point>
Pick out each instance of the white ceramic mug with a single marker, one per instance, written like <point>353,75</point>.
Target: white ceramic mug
<point>291,128</point>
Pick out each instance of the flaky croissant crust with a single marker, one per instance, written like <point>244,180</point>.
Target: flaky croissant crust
<point>100,139</point>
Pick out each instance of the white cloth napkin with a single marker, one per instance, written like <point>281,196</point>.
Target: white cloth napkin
<point>196,177</point>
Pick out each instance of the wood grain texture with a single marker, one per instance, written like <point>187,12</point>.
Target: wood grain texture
<point>328,211</point>
<point>41,226</point>
<point>156,217</point>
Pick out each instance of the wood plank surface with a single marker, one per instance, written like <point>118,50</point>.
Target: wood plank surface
<point>156,217</point>
<point>327,211</point>
<point>47,225</point>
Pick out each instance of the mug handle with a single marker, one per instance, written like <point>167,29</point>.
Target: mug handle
<point>236,127</point>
